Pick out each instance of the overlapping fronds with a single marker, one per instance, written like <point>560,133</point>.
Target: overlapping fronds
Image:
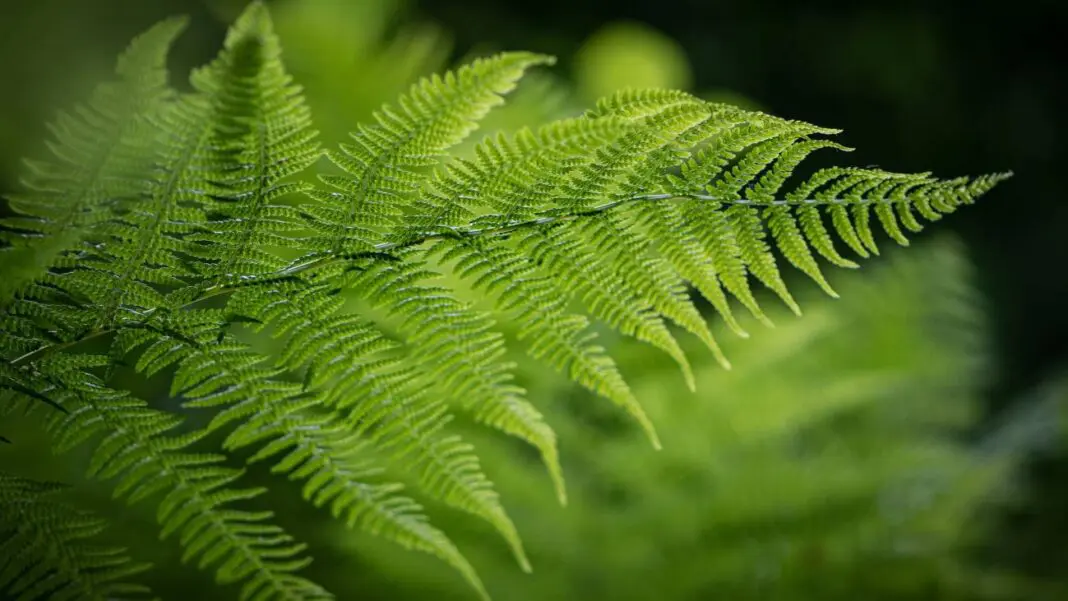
<point>137,448</point>
<point>141,259</point>
<point>384,163</point>
<point>261,135</point>
<point>176,226</point>
<point>868,398</point>
<point>100,156</point>
<point>46,549</point>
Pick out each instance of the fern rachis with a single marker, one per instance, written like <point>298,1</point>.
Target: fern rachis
<point>204,224</point>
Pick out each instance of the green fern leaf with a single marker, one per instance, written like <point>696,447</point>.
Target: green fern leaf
<point>401,425</point>
<point>460,354</point>
<point>383,162</point>
<point>262,134</point>
<point>100,150</point>
<point>172,224</point>
<point>326,453</point>
<point>356,354</point>
<point>513,175</point>
<point>135,450</point>
<point>556,337</point>
<point>43,553</point>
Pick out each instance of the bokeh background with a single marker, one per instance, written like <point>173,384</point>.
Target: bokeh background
<point>941,380</point>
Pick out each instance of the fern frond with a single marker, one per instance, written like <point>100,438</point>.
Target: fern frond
<point>44,551</point>
<point>324,451</point>
<point>195,501</point>
<point>459,353</point>
<point>135,449</point>
<point>681,246</point>
<point>386,407</point>
<point>650,277</point>
<point>513,175</point>
<point>348,369</point>
<point>556,337</point>
<point>383,163</point>
<point>709,148</point>
<point>446,467</point>
<point>262,135</point>
<point>141,253</point>
<point>386,401</point>
<point>101,150</point>
<point>681,190</point>
<point>122,284</point>
<point>573,262</point>
<point>173,222</point>
<point>284,416</point>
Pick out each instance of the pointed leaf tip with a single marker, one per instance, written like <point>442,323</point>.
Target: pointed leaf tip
<point>254,20</point>
<point>148,51</point>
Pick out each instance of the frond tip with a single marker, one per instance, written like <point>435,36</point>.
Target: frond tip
<point>666,189</point>
<point>382,163</point>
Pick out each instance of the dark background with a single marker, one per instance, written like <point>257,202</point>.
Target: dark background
<point>952,87</point>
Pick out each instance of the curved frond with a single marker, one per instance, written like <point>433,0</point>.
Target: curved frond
<point>383,165</point>
<point>408,428</point>
<point>678,190</point>
<point>169,225</point>
<point>459,353</point>
<point>350,370</point>
<point>384,399</point>
<point>193,490</point>
<point>333,461</point>
<point>553,335</point>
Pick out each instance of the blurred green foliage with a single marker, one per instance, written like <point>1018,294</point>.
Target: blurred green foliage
<point>340,53</point>
<point>838,460</point>
<point>626,54</point>
<point>828,464</point>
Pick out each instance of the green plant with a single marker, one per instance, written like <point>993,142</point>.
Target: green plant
<point>41,549</point>
<point>169,238</point>
<point>846,475</point>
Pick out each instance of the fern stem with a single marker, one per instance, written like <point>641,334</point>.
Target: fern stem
<point>307,262</point>
<point>48,349</point>
<point>514,225</point>
<point>324,259</point>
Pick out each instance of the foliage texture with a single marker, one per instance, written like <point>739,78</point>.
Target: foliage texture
<point>44,553</point>
<point>173,232</point>
<point>844,476</point>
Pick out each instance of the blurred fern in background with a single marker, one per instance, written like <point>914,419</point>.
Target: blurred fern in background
<point>829,464</point>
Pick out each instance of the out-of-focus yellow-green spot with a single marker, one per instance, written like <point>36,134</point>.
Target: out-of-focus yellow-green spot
<point>630,54</point>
